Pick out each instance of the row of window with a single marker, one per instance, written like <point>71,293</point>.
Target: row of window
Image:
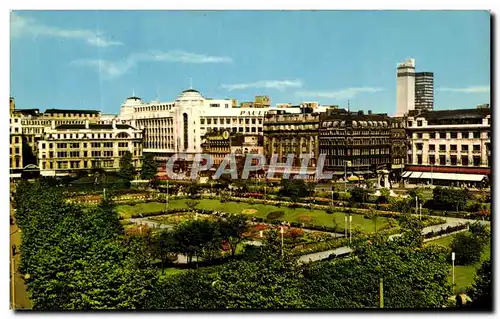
<point>453,147</point>
<point>84,154</point>
<point>216,121</point>
<point>452,160</point>
<point>452,135</point>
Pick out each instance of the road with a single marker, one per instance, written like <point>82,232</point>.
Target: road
<point>21,300</point>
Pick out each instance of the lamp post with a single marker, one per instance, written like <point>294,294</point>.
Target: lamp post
<point>345,176</point>
<point>345,220</point>
<point>350,231</point>
<point>453,269</point>
<point>416,204</point>
<point>282,231</point>
<point>420,212</point>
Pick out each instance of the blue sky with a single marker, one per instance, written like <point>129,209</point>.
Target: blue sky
<point>95,59</point>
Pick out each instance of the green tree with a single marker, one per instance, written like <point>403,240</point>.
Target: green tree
<point>295,189</point>
<point>413,278</point>
<point>193,190</point>
<point>196,238</point>
<point>358,195</point>
<point>127,170</point>
<point>149,166</point>
<point>450,198</point>
<point>231,230</point>
<point>481,290</point>
<point>467,248</point>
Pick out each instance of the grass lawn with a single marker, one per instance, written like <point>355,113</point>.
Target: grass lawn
<point>464,275</point>
<point>316,217</point>
<point>171,271</point>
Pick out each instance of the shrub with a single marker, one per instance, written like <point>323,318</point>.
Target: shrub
<point>275,214</point>
<point>467,248</point>
<point>330,210</point>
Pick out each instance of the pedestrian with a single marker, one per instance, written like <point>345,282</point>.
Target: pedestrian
<point>13,249</point>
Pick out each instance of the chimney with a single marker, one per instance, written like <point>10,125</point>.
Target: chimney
<point>114,124</point>
<point>87,124</point>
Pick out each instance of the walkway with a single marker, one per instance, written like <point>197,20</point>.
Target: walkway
<point>450,221</point>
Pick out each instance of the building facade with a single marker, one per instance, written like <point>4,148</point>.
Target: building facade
<point>178,126</point>
<point>405,87</point>
<point>454,142</point>
<point>67,148</point>
<point>355,143</point>
<point>291,134</point>
<point>424,91</point>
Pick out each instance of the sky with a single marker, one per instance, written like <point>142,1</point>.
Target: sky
<point>96,59</point>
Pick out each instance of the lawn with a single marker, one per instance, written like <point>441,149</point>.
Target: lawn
<point>464,275</point>
<point>316,217</point>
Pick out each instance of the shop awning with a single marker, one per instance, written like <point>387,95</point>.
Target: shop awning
<point>445,176</point>
<point>406,174</point>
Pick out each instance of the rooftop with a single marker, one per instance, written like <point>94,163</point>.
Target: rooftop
<point>452,114</point>
<point>54,111</point>
<point>92,126</point>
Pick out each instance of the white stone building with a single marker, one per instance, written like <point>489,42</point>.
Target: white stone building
<point>449,145</point>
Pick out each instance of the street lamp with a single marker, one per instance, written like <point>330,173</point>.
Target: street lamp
<point>453,269</point>
<point>282,232</point>
<point>345,227</point>
<point>420,211</point>
<point>350,231</point>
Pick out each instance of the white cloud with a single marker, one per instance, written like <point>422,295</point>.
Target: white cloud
<point>27,26</point>
<point>270,84</point>
<point>116,68</point>
<point>471,89</point>
<point>339,94</point>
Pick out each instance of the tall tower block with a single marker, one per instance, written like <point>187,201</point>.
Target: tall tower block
<point>405,87</point>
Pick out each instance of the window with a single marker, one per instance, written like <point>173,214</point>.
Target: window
<point>215,121</point>
<point>410,123</point>
<point>476,148</point>
<point>108,153</point>
<point>228,121</point>
<point>240,129</point>
<point>85,153</point>
<point>432,135</point>
<point>247,121</point>
<point>43,145</point>
<point>96,153</point>
<point>253,121</point>
<point>442,160</point>
<point>477,160</point>
<point>419,123</point>
<point>453,147</point>
<point>432,159</point>
<point>202,121</point>
<point>74,154</point>
<point>442,148</point>
<point>17,150</point>
<point>419,146</point>
<point>465,160</point>
<point>465,148</point>
<point>419,159</point>
<point>419,135</point>
<point>453,160</point>
<point>442,135</point>
<point>453,134</point>
<point>209,121</point>
<point>123,144</point>
<point>432,147</point>
<point>476,134</point>
<point>17,139</point>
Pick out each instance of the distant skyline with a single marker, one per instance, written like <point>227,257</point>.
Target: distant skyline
<point>96,59</point>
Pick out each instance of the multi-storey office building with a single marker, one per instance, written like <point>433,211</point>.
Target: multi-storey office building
<point>178,126</point>
<point>295,134</point>
<point>424,91</point>
<point>399,146</point>
<point>355,142</point>
<point>405,87</point>
<point>449,146</point>
<point>67,148</point>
